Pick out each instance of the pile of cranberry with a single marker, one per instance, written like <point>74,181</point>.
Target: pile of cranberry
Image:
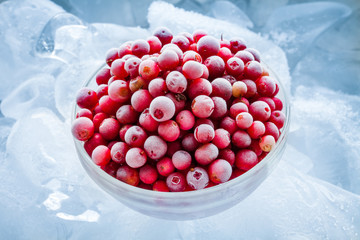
<point>179,113</point>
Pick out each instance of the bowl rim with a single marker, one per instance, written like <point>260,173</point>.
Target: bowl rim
<point>195,193</point>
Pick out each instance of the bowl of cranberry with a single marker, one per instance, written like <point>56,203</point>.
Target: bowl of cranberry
<point>181,126</point>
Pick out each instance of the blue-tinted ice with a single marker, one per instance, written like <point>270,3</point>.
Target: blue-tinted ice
<point>47,51</point>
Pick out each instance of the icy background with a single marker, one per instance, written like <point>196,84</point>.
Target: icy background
<point>47,49</point>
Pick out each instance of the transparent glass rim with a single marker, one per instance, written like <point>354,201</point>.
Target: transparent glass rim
<point>196,193</point>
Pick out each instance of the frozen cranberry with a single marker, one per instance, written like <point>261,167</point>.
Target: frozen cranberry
<point>154,43</point>
<point>168,59</point>
<point>141,99</point>
<point>253,70</point>
<point>215,65</point>
<point>221,88</point>
<point>181,41</point>
<point>140,47</point>
<point>256,129</point>
<point>237,44</point>
<point>119,91</point>
<point>169,130</point>
<point>124,49</point>
<point>221,138</point>
<point>220,108</point>
<point>237,108</point>
<point>229,124</point>
<point>204,133</point>
<point>245,159</point>
<point>239,89</point>
<point>176,182</point>
<point>162,108</point>
<point>197,178</point>
<point>265,86</point>
<point>84,113</point>
<point>103,76</point>
<point>199,86</point>
<point>192,56</point>
<point>244,120</point>
<point>208,46</point>
<point>118,69</point>
<point>245,56</point>
<point>181,159</point>
<point>165,166</point>
<point>157,87</point>
<point>241,139</point>
<point>111,55</point>
<point>160,186</point>
<point>101,155</point>
<point>220,171</point>
<point>202,106</point>
<point>126,114</point>
<point>185,119</point>
<point>193,70</point>
<point>93,142</point>
<point>118,152</point>
<point>206,153</point>
<point>176,82</point>
<point>135,157</point>
<point>135,136</point>
<point>189,142</point>
<point>148,69</point>
<point>163,34</point>
<point>266,143</point>
<point>148,174</point>
<point>278,118</point>
<point>86,98</point>
<point>128,175</point>
<point>234,66</point>
<point>225,53</point>
<point>109,128</point>
<point>82,128</point>
<point>228,155</point>
<point>147,121</point>
<point>155,147</point>
<point>260,110</point>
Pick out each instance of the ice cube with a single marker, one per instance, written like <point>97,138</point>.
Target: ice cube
<point>32,93</point>
<point>295,27</point>
<point>46,43</point>
<point>20,25</point>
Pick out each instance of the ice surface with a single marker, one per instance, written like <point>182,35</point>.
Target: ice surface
<point>295,27</point>
<point>329,121</point>
<point>288,205</point>
<point>335,58</point>
<point>46,54</point>
<point>228,11</point>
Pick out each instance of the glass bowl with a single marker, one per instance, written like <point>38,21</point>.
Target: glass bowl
<point>192,204</point>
